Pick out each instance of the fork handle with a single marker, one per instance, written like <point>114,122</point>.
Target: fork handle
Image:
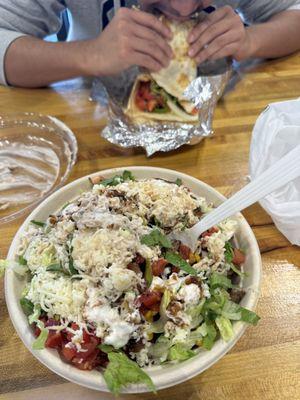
<point>280,173</point>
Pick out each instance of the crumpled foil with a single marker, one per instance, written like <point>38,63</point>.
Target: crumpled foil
<point>204,92</point>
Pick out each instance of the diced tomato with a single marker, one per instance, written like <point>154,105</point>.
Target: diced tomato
<point>86,364</point>
<point>184,251</point>
<point>145,100</point>
<point>144,91</point>
<point>68,352</point>
<point>158,266</point>
<point>175,269</point>
<point>54,339</point>
<point>88,348</point>
<point>194,111</point>
<point>238,257</point>
<point>141,104</point>
<point>151,299</point>
<point>152,104</point>
<point>210,231</point>
<point>85,335</point>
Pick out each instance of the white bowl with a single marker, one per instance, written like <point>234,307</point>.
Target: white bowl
<point>162,376</point>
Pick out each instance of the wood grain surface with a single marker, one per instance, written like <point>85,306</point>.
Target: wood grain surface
<point>265,363</point>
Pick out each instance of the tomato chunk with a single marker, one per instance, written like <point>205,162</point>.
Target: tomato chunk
<point>238,257</point>
<point>54,339</point>
<point>146,100</point>
<point>88,348</point>
<point>184,251</point>
<point>158,266</point>
<point>88,363</point>
<point>68,352</point>
<point>151,300</point>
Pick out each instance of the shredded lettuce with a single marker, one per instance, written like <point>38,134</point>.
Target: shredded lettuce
<point>38,223</point>
<point>34,317</point>
<point>180,352</point>
<point>122,371</point>
<point>115,180</point>
<point>237,271</point>
<point>249,316</point>
<point>39,343</point>
<point>195,314</point>
<point>159,350</point>
<point>22,260</point>
<point>219,280</point>
<point>228,254</point>
<point>27,306</point>
<point>210,336</point>
<point>231,311</point>
<point>225,328</point>
<point>106,348</point>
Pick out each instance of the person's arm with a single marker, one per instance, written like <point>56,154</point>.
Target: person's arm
<point>223,34</point>
<point>277,37</point>
<point>132,38</point>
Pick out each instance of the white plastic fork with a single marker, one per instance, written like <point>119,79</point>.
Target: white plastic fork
<point>280,173</point>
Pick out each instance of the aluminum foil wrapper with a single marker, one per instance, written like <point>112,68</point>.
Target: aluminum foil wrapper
<point>204,92</point>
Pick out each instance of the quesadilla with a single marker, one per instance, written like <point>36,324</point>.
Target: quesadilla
<point>159,95</point>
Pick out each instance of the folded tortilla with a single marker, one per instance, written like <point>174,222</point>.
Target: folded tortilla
<point>182,69</point>
<point>174,79</point>
<point>175,113</point>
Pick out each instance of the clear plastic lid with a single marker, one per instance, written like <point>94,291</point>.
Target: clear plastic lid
<point>37,154</point>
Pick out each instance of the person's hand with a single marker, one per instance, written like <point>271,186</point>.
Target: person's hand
<point>221,34</point>
<point>132,38</point>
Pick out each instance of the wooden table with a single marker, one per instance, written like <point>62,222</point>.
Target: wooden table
<point>265,363</point>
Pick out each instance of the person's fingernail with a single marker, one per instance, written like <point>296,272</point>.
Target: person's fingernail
<point>191,38</point>
<point>191,52</point>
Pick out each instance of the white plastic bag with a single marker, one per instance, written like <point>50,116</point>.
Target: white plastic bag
<point>276,132</point>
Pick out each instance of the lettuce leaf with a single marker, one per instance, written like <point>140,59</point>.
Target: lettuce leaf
<point>195,314</point>
<point>159,350</point>
<point>156,238</point>
<point>210,337</point>
<point>249,316</point>
<point>180,352</point>
<point>231,311</point>
<point>115,180</point>
<point>225,327</point>
<point>122,371</point>
<point>219,280</point>
<point>39,343</point>
<point>176,260</point>
<point>148,273</point>
<point>27,306</point>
